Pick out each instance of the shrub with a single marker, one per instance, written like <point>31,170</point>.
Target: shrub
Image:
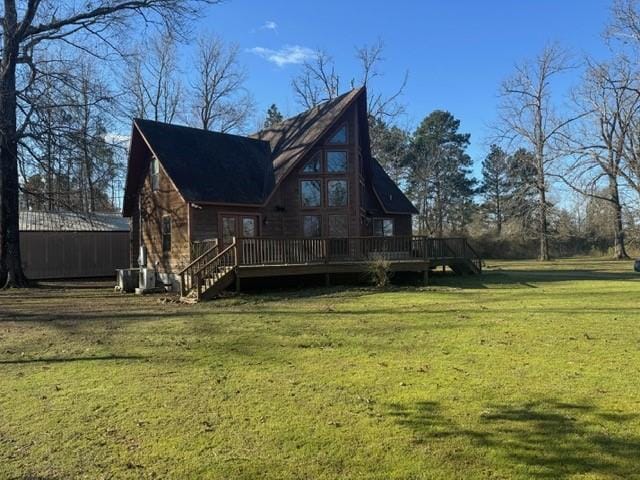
<point>380,271</point>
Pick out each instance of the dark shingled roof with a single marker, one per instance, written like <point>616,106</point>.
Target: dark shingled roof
<point>221,168</point>
<point>391,197</point>
<point>210,166</point>
<point>293,137</point>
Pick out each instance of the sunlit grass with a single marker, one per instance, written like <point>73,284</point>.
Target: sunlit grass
<point>530,371</point>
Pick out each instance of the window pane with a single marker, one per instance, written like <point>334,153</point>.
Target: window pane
<point>166,234</point>
<point>336,161</point>
<point>248,227</point>
<point>228,229</point>
<point>340,137</point>
<point>383,227</point>
<point>337,193</point>
<point>338,226</point>
<point>387,227</point>
<point>155,174</point>
<point>313,165</point>
<point>311,225</point>
<point>310,193</point>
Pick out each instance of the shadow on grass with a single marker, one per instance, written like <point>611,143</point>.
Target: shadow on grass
<point>71,359</point>
<point>111,315</point>
<point>545,439</point>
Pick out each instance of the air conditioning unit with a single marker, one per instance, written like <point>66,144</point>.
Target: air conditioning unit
<point>128,279</point>
<point>147,279</point>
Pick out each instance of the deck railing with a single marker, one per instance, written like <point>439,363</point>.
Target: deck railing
<point>300,251</point>
<point>258,251</point>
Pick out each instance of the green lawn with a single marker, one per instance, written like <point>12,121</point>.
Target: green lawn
<point>531,371</point>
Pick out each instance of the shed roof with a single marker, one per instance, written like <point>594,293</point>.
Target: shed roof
<point>43,221</point>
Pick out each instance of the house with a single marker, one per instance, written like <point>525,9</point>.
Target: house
<point>73,244</point>
<point>299,194</point>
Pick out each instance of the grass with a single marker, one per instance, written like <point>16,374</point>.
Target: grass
<point>530,371</point>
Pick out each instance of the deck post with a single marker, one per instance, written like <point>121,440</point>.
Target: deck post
<point>425,276</point>
<point>327,280</point>
<point>237,282</point>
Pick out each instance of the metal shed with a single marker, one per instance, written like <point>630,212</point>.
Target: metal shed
<point>73,245</point>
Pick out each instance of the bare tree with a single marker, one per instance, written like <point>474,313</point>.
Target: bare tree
<point>610,100</point>
<point>380,106</point>
<point>527,118</point>
<point>319,81</point>
<point>152,86</point>
<point>625,22</point>
<point>32,25</point>
<point>220,100</point>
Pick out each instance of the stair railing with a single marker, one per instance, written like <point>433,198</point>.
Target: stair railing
<point>472,256</point>
<point>215,268</point>
<point>186,275</point>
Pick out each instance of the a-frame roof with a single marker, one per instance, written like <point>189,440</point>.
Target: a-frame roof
<point>212,167</point>
<point>295,136</point>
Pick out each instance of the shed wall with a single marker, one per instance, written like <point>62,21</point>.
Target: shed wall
<point>73,254</point>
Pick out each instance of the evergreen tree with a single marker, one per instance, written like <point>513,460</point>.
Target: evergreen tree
<point>523,199</point>
<point>495,186</point>
<point>390,146</point>
<point>273,116</point>
<point>438,174</point>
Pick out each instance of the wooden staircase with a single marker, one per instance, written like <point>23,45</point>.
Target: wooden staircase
<point>465,259</point>
<point>209,274</point>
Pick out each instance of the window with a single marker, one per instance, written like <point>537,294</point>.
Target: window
<point>337,193</point>
<point>166,234</point>
<point>336,161</point>
<point>382,227</point>
<point>311,225</point>
<point>340,137</point>
<point>310,193</point>
<point>313,165</point>
<point>338,226</point>
<point>155,174</point>
<point>228,229</point>
<point>248,227</point>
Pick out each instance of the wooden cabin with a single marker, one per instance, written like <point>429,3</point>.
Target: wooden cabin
<point>303,196</point>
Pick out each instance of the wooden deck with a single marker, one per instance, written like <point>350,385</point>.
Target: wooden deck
<point>215,268</point>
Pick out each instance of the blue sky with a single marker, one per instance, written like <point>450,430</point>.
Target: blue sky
<point>456,52</point>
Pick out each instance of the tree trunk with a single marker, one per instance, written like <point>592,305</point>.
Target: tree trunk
<point>543,229</point>
<point>619,251</point>
<point>11,274</point>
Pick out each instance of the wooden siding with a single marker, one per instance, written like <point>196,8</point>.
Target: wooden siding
<point>134,245</point>
<point>283,214</point>
<point>280,217</point>
<point>154,205</point>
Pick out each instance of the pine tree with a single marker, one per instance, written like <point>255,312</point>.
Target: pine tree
<point>439,174</point>
<point>495,186</point>
<point>273,116</point>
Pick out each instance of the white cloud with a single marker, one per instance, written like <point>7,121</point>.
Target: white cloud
<point>289,54</point>
<point>270,25</point>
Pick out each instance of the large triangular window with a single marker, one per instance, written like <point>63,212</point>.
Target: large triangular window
<point>340,136</point>
<point>313,165</point>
